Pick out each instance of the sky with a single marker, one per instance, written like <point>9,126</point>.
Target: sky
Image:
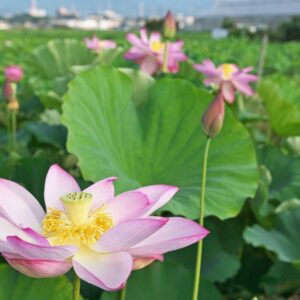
<point>125,7</point>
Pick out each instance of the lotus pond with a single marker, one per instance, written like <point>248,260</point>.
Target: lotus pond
<point>181,133</point>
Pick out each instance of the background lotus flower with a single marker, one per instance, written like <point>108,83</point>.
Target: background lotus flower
<point>13,73</point>
<point>102,236</point>
<point>148,52</point>
<point>97,45</point>
<point>228,78</point>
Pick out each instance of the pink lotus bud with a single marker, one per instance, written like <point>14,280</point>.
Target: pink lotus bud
<point>8,91</point>
<point>212,120</point>
<point>169,25</point>
<point>13,73</point>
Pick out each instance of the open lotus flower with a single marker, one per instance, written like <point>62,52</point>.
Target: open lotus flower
<point>148,52</point>
<point>13,73</point>
<point>228,78</point>
<point>102,236</point>
<point>97,45</point>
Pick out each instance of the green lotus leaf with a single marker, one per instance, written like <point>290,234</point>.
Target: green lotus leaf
<point>155,137</point>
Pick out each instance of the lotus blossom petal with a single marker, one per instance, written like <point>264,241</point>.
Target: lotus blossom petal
<point>58,183</point>
<point>37,268</point>
<point>243,87</point>
<point>149,65</point>
<point>159,195</point>
<point>127,234</point>
<point>208,68</point>
<point>140,263</point>
<point>108,271</point>
<point>127,206</point>
<point>102,191</point>
<point>177,233</point>
<point>13,73</point>
<point>19,205</point>
<point>228,92</point>
<point>33,251</point>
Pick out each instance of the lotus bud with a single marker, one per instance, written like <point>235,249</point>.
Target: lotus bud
<point>13,73</point>
<point>13,105</point>
<point>212,120</point>
<point>169,28</point>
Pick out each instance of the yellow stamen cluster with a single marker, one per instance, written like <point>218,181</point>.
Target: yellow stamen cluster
<point>227,71</point>
<point>61,230</point>
<point>157,46</point>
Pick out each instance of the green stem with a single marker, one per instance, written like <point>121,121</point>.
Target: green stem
<point>123,293</point>
<point>76,288</point>
<point>14,129</point>
<point>201,222</point>
<point>8,125</point>
<point>165,64</point>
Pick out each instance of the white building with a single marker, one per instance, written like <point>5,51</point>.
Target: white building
<point>34,11</point>
<point>251,12</point>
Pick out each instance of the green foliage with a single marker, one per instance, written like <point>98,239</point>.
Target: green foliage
<point>281,97</point>
<point>144,138</point>
<point>14,286</point>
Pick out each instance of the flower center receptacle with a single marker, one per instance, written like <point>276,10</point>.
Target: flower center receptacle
<point>78,225</point>
<point>157,46</point>
<point>227,71</point>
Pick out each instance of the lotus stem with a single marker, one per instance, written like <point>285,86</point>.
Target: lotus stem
<point>201,222</point>
<point>8,125</point>
<point>14,129</point>
<point>123,293</point>
<point>166,58</point>
<point>76,288</point>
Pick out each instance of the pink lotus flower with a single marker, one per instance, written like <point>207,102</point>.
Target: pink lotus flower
<point>97,45</point>
<point>228,78</point>
<point>148,52</point>
<point>102,236</point>
<point>13,73</point>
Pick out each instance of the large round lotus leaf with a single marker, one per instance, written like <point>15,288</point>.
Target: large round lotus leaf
<point>168,280</point>
<point>157,141</point>
<point>15,286</point>
<point>58,56</point>
<point>285,173</point>
<point>283,239</point>
<point>281,97</point>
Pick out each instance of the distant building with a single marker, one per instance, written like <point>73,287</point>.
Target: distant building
<point>35,12</point>
<point>65,13</point>
<point>250,12</point>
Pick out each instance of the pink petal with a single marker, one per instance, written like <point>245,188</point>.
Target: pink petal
<point>107,44</point>
<point>127,206</point>
<point>37,268</point>
<point>159,195</point>
<point>107,271</point>
<point>149,65</point>
<point>58,183</point>
<point>134,40</point>
<point>243,87</point>
<point>134,54</point>
<point>177,233</point>
<point>142,262</point>
<point>102,191</point>
<point>144,35</point>
<point>33,251</point>
<point>228,92</point>
<point>19,205</point>
<point>208,68</point>
<point>127,234</point>
<point>154,37</point>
